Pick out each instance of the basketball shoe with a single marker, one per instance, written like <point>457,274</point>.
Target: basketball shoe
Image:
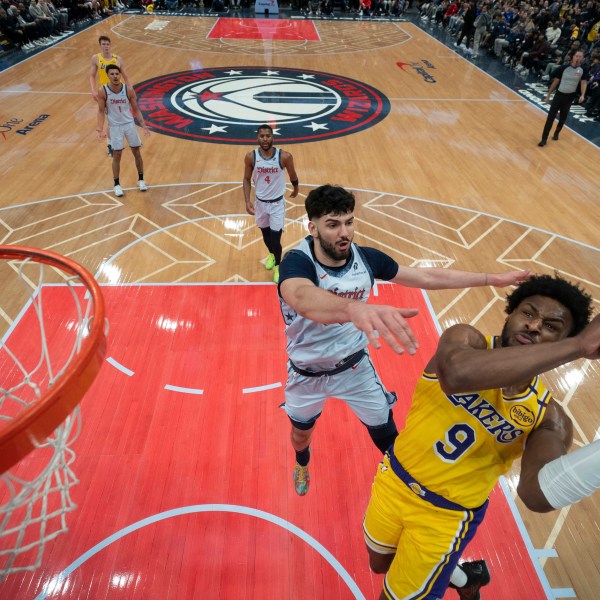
<point>118,191</point>
<point>270,262</point>
<point>301,479</point>
<point>142,185</point>
<point>276,273</point>
<point>478,575</point>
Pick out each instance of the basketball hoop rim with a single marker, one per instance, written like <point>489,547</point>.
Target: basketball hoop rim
<point>29,429</point>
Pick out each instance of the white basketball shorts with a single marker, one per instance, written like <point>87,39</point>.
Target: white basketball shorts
<point>358,386</point>
<point>270,214</point>
<point>118,133</point>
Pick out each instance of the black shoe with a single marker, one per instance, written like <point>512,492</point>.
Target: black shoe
<point>555,137</point>
<point>478,575</point>
<point>542,143</point>
<point>109,150</point>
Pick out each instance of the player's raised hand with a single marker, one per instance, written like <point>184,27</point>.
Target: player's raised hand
<point>509,278</point>
<point>590,339</point>
<point>385,323</point>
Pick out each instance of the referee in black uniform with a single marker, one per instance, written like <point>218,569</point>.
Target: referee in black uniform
<point>568,79</point>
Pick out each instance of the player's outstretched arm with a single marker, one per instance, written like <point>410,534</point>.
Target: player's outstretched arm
<point>463,364</point>
<point>439,279</point>
<point>379,323</point>
<point>101,96</point>
<point>551,440</point>
<point>136,109</point>
<point>288,163</point>
<point>93,71</point>
<point>247,182</point>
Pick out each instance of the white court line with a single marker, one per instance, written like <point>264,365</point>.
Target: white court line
<point>393,195</point>
<point>117,365</point>
<point>56,582</point>
<point>184,390</point>
<point>261,388</point>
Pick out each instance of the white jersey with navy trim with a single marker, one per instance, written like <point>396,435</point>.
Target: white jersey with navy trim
<point>269,176</point>
<point>118,107</point>
<point>316,347</point>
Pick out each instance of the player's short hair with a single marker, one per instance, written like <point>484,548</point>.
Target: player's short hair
<point>103,38</point>
<point>576,300</point>
<point>329,199</point>
<point>112,68</point>
<point>264,126</point>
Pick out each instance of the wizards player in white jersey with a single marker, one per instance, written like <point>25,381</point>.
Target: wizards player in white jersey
<point>266,166</point>
<point>478,405</point>
<point>324,286</point>
<point>118,102</point>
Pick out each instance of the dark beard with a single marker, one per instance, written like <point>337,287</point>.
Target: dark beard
<point>331,251</point>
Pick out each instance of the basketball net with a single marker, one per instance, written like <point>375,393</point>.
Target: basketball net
<point>51,349</point>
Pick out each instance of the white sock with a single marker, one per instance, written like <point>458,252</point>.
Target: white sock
<point>459,577</point>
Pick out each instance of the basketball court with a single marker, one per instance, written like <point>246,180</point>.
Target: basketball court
<point>183,459</point>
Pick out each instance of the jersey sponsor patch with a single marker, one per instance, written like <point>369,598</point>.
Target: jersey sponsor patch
<point>226,105</point>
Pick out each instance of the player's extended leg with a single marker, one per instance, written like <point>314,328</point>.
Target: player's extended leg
<point>304,402</point>
<point>139,165</point>
<point>368,399</point>
<point>383,436</point>
<point>277,252</point>
<point>116,170</point>
<point>301,444</point>
<point>109,148</point>
<point>266,234</point>
<point>419,531</point>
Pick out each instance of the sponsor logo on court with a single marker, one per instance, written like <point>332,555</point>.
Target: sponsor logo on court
<point>536,93</point>
<point>17,126</point>
<point>421,68</point>
<point>226,105</point>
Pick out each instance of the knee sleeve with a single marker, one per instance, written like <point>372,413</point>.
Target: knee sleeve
<point>383,436</point>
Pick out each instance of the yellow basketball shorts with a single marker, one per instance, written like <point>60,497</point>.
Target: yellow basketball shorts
<point>427,539</point>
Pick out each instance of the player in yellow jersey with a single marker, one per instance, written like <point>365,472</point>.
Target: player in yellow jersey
<point>98,67</point>
<point>476,405</point>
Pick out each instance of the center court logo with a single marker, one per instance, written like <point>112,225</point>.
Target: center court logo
<point>226,105</point>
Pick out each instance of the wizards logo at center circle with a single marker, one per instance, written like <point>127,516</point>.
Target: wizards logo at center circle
<point>226,105</point>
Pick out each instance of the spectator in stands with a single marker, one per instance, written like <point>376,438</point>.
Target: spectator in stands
<point>48,23</point>
<point>563,59</point>
<point>468,29</point>
<point>10,27</point>
<point>593,90</point>
<point>450,12</point>
<point>535,59</point>
<point>482,22</point>
<point>36,31</point>
<point>397,8</point>
<point>553,33</point>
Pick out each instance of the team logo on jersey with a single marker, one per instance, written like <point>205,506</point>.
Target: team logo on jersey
<point>416,488</point>
<point>226,105</point>
<point>522,415</point>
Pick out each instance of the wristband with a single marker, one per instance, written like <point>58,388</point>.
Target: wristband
<point>294,182</point>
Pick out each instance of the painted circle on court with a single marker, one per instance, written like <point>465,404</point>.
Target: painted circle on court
<point>226,105</point>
